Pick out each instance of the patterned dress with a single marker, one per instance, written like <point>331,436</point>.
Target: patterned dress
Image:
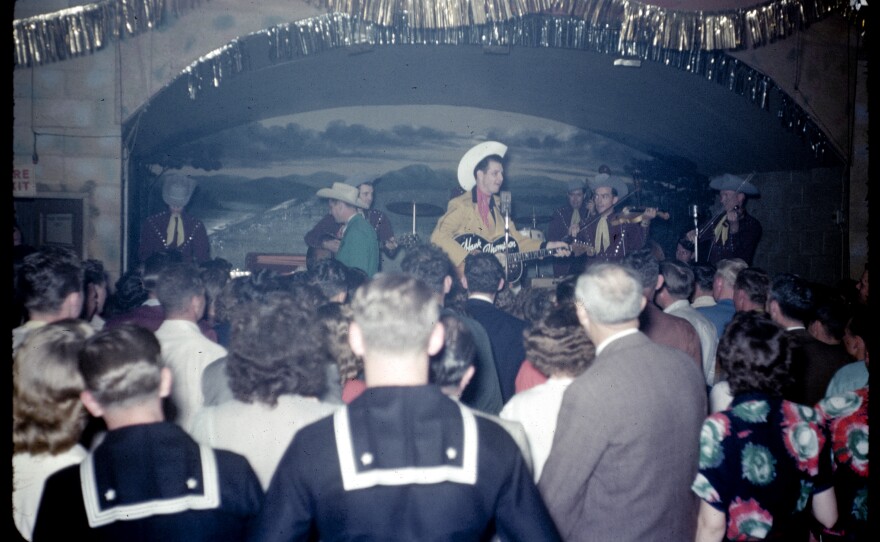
<point>760,461</point>
<point>846,420</point>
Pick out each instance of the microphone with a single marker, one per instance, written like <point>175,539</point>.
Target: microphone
<point>695,211</point>
<point>505,202</point>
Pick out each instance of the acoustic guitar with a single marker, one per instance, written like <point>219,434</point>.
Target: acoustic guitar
<point>507,253</point>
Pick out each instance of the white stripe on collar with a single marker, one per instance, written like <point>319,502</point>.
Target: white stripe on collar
<point>207,500</point>
<point>352,479</point>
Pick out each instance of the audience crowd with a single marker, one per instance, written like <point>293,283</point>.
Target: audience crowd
<point>647,399</point>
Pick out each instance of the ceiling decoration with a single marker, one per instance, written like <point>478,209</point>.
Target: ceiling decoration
<point>631,28</point>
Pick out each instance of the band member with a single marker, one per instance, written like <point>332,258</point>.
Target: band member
<point>325,237</point>
<point>174,229</point>
<point>567,222</point>
<point>358,247</point>
<point>612,235</point>
<point>733,233</point>
<point>477,211</point>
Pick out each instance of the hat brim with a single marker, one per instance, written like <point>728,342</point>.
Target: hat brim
<point>473,157</point>
<point>611,181</point>
<point>734,183</point>
<point>329,193</point>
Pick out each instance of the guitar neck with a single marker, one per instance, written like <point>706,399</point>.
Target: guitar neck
<point>517,257</point>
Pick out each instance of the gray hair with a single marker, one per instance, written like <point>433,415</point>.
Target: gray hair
<point>610,293</point>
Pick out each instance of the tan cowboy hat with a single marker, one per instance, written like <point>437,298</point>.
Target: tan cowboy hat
<point>473,157</point>
<point>177,189</point>
<point>611,181</point>
<point>732,182</point>
<point>342,192</point>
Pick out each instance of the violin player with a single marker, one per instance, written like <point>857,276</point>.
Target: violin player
<point>732,233</point>
<point>567,222</point>
<point>614,234</point>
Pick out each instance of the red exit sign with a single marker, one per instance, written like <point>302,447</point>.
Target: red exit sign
<point>24,181</point>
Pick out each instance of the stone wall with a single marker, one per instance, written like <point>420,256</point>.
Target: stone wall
<point>799,214</point>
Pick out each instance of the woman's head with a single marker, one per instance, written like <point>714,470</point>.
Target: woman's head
<point>276,348</point>
<point>754,353</point>
<point>48,416</point>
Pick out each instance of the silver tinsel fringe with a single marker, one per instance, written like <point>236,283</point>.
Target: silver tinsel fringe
<point>86,29</point>
<point>692,41</point>
<point>637,28</point>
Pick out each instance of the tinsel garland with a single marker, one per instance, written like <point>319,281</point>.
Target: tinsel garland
<point>638,27</point>
<point>312,36</point>
<point>82,30</point>
<point>689,40</point>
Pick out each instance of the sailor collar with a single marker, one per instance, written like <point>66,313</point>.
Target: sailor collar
<point>366,460</point>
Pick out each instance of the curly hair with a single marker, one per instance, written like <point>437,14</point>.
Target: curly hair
<point>47,415</point>
<point>558,347</point>
<point>276,348</point>
<point>532,303</point>
<point>754,352</point>
<point>336,317</point>
<point>128,293</point>
<point>241,290</point>
<point>430,264</point>
<point>46,277</point>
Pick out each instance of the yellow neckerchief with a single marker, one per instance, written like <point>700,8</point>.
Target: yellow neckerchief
<point>175,225</point>
<point>722,231</point>
<point>603,237</point>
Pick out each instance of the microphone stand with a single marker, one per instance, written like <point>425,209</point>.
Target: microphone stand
<point>506,240</point>
<point>505,208</point>
<point>696,214</point>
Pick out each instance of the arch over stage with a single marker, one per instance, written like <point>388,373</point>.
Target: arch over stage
<point>682,94</point>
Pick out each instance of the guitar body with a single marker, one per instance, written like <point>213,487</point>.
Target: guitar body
<point>513,267</point>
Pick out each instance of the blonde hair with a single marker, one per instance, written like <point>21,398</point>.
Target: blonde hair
<point>47,415</point>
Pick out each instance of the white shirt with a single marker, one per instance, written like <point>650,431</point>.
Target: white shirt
<point>258,431</point>
<point>720,397</point>
<point>186,351</point>
<point>703,301</point>
<point>706,330</point>
<point>537,409</point>
<point>29,474</point>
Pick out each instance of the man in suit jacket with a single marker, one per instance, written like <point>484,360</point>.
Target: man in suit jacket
<point>626,447</point>
<point>483,278</point>
<point>432,266</point>
<point>660,327</point>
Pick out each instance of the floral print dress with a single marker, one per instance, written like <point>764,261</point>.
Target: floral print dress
<point>846,420</point>
<point>760,461</point>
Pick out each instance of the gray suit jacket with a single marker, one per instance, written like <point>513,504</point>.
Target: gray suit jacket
<point>626,448</point>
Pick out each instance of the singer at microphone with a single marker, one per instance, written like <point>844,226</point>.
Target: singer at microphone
<point>477,211</point>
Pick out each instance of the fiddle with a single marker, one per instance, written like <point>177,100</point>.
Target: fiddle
<point>633,216</point>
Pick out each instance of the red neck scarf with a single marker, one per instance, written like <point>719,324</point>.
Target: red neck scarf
<point>483,206</point>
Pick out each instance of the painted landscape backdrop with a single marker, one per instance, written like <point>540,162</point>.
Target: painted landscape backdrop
<point>257,182</point>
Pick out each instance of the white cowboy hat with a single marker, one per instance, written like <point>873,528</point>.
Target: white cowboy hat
<point>732,182</point>
<point>611,181</point>
<point>473,157</point>
<point>342,192</point>
<point>177,189</point>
